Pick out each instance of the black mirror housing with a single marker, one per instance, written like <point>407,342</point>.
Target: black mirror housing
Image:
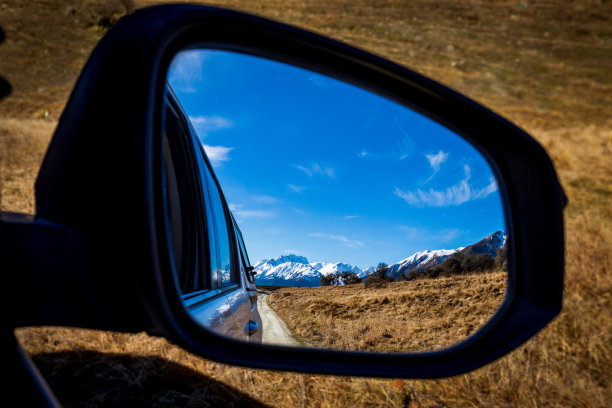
<point>103,172</point>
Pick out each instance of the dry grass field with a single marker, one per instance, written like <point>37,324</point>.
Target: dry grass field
<point>417,315</point>
<point>545,65</point>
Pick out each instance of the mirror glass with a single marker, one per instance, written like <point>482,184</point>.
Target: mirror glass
<point>323,215</point>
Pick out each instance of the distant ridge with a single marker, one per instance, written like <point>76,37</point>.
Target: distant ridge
<point>296,270</point>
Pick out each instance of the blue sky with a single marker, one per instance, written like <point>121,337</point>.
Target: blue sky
<point>320,168</point>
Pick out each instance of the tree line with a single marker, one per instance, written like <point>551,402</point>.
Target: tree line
<point>463,263</point>
<point>339,278</point>
<point>454,265</point>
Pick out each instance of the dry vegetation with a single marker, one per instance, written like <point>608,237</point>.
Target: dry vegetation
<point>545,65</point>
<point>419,315</point>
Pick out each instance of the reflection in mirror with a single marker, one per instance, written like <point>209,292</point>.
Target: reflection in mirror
<point>374,227</point>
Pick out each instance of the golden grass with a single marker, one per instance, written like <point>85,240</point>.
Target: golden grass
<point>545,65</point>
<point>419,315</point>
<point>22,146</point>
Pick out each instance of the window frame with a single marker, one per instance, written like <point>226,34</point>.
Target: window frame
<point>234,265</point>
<point>189,192</point>
<point>241,249</point>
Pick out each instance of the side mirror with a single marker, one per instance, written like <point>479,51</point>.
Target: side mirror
<point>128,186</point>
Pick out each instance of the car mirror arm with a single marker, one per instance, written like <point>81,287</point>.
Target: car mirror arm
<point>56,284</point>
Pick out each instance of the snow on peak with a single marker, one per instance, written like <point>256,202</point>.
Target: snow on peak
<point>290,258</point>
<point>427,255</point>
<point>326,268</point>
<point>294,270</point>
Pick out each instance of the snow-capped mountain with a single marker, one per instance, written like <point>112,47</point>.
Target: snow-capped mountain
<point>488,245</point>
<point>367,271</point>
<point>286,270</point>
<point>325,268</point>
<point>420,260</point>
<point>427,259</point>
<point>295,270</point>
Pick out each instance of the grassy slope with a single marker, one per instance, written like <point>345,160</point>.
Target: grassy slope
<point>545,65</point>
<point>419,315</point>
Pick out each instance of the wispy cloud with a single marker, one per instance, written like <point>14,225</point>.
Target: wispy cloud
<point>363,153</point>
<point>321,82</point>
<point>454,195</point>
<point>264,199</point>
<point>294,252</point>
<point>296,189</point>
<point>424,235</point>
<point>406,144</point>
<point>436,160</point>
<point>350,217</point>
<point>205,124</point>
<point>255,214</point>
<point>489,189</point>
<point>299,211</point>
<point>306,170</point>
<point>316,169</point>
<point>240,212</point>
<point>186,70</point>
<point>217,154</point>
<point>342,239</point>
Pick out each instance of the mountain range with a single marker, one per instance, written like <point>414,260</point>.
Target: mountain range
<point>295,270</point>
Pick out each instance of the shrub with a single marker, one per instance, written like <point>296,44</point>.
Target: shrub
<point>501,263</point>
<point>328,280</point>
<point>349,278</point>
<point>339,278</point>
<point>379,277</point>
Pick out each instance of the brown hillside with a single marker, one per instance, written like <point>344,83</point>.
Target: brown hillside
<point>419,315</point>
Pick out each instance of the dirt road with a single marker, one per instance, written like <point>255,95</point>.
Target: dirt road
<point>275,331</point>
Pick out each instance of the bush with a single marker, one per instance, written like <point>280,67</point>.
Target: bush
<point>379,277</point>
<point>339,278</point>
<point>349,278</point>
<point>328,280</point>
<point>501,263</point>
<point>458,264</point>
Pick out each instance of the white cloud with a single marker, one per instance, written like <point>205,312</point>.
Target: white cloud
<point>344,240</point>
<point>254,214</point>
<point>307,171</point>
<point>321,81</point>
<point>294,252</point>
<point>454,195</point>
<point>217,154</point>
<point>299,211</point>
<point>186,70</point>
<point>363,153</point>
<point>436,160</point>
<point>406,144</point>
<point>239,211</point>
<point>296,189</point>
<point>316,169</point>
<point>205,124</point>
<point>264,199</point>
<point>489,189</point>
<point>350,217</point>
